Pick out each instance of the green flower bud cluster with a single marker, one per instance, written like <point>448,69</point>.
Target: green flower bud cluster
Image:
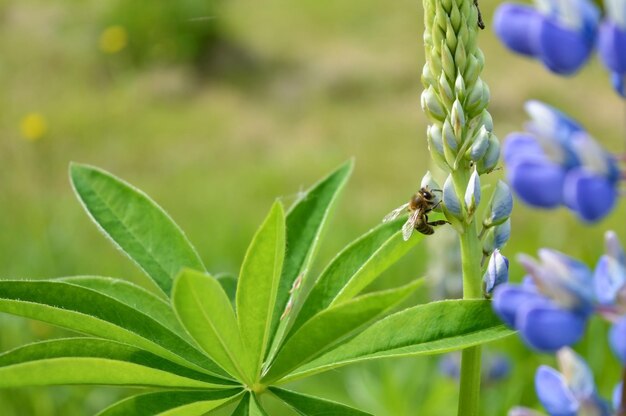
<point>455,98</point>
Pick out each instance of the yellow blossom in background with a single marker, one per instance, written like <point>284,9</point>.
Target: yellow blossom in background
<point>113,39</point>
<point>33,126</point>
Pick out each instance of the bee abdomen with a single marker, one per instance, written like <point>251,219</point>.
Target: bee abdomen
<point>424,228</point>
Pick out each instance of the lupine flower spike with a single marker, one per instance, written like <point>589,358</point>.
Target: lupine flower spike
<point>556,162</point>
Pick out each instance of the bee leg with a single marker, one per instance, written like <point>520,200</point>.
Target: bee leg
<point>437,223</point>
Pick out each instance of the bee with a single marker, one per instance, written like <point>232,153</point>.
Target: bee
<point>419,206</point>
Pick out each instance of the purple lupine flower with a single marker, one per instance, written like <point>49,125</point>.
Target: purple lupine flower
<point>610,278</point>
<point>570,392</point>
<point>612,43</point>
<point>559,34</point>
<point>555,162</point>
<point>551,307</point>
<point>618,392</point>
<point>617,339</point>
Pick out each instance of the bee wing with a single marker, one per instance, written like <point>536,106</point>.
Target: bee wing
<point>409,225</point>
<point>395,213</point>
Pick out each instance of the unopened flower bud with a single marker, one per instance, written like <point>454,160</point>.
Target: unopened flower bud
<point>491,157</point>
<point>446,90</point>
<point>500,206</point>
<point>435,146</point>
<point>457,117</point>
<point>450,138</point>
<point>496,237</point>
<point>427,76</point>
<point>486,120</point>
<point>480,145</point>
<point>472,70</point>
<point>431,104</point>
<point>497,272</point>
<point>451,200</point>
<point>476,94</point>
<point>459,87</point>
<point>472,193</point>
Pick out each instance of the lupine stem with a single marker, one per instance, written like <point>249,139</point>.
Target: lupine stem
<point>471,254</point>
<point>622,407</point>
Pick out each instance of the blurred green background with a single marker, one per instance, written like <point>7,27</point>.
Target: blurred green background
<point>217,107</point>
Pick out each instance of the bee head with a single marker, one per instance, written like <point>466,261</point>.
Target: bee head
<point>426,193</point>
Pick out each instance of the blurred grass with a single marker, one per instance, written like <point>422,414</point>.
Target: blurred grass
<point>316,82</point>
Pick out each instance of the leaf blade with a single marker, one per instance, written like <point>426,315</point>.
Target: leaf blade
<point>307,405</point>
<point>333,325</point>
<point>355,267</point>
<point>180,403</point>
<point>258,285</point>
<point>95,361</point>
<point>305,222</point>
<point>135,224</point>
<point>133,296</point>
<point>211,323</point>
<point>89,312</point>
<point>432,328</point>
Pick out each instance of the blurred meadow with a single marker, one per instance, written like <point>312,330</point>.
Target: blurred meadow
<point>216,109</point>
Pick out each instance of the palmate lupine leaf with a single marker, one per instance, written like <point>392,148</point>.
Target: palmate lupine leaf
<point>334,325</point>
<point>355,267</point>
<point>172,403</point>
<point>84,310</point>
<point>313,406</point>
<point>136,224</point>
<point>305,222</point>
<point>204,309</point>
<point>95,361</point>
<point>258,284</point>
<point>433,328</point>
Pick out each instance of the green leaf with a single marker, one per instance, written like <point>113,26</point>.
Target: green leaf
<point>136,224</point>
<point>355,268</point>
<point>87,311</point>
<point>133,296</point>
<point>205,311</point>
<point>243,408</point>
<point>255,407</point>
<point>433,328</point>
<point>257,286</point>
<point>313,406</point>
<point>229,284</point>
<point>95,361</point>
<point>332,326</point>
<point>304,223</point>
<point>249,406</point>
<point>171,403</point>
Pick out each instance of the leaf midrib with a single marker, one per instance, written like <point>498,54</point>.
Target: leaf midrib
<point>370,356</point>
<point>96,191</point>
<point>272,303</point>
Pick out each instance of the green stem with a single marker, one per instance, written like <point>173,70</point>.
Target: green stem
<point>471,254</point>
